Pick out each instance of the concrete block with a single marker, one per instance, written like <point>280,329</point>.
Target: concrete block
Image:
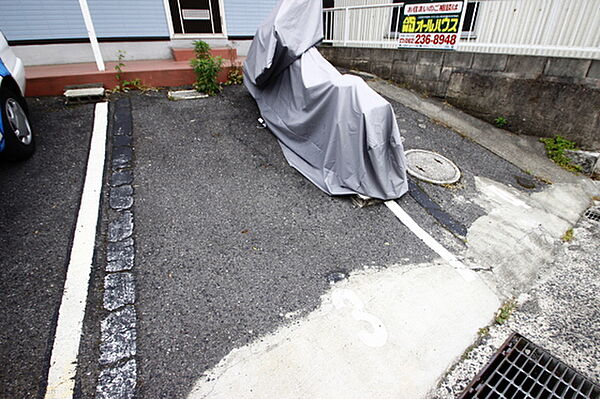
<point>594,71</point>
<point>361,65</point>
<point>329,53</point>
<point>325,50</point>
<point>489,62</point>
<point>428,72</point>
<point>406,56</point>
<point>360,53</point>
<point>567,67</point>
<point>402,70</point>
<point>458,59</point>
<point>122,157</point>
<point>343,53</point>
<point>121,228</point>
<point>343,63</point>
<point>382,69</point>
<point>177,95</point>
<point>118,336</point>
<point>84,94</point>
<point>382,54</point>
<point>427,57</point>
<point>118,382</point>
<point>121,178</point>
<point>122,141</point>
<point>432,88</point>
<point>526,66</point>
<point>119,290</point>
<point>536,107</point>
<point>446,73</point>
<point>121,197</point>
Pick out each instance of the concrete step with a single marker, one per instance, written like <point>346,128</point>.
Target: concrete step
<point>50,80</point>
<point>186,54</point>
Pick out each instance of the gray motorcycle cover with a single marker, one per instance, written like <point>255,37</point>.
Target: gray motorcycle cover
<point>333,128</point>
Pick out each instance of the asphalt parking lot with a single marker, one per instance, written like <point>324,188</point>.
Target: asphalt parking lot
<point>38,203</point>
<point>231,242</point>
<point>242,239</point>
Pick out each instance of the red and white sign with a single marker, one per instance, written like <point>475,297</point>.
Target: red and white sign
<point>442,41</point>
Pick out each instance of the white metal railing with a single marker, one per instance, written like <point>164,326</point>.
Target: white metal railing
<point>561,28</point>
<point>363,26</point>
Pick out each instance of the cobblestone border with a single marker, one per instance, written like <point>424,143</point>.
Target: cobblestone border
<point>118,368</point>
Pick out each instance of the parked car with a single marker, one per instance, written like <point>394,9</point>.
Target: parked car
<point>16,136</point>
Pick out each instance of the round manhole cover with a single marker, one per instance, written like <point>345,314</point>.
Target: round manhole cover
<point>431,167</point>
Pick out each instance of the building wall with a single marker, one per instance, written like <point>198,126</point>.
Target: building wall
<point>243,17</point>
<point>62,19</point>
<point>39,19</point>
<point>131,18</point>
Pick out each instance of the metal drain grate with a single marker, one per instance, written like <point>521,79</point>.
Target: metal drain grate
<point>521,369</point>
<point>593,214</point>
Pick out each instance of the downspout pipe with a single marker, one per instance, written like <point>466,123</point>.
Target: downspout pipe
<point>89,25</point>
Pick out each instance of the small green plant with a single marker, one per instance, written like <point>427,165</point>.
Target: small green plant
<point>202,49</point>
<point>568,236</point>
<point>501,122</point>
<point>206,67</point>
<point>124,85</point>
<point>505,311</point>
<point>234,75</point>
<point>119,66</point>
<point>555,149</point>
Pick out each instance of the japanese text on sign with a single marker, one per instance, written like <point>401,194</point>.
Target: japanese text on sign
<point>430,25</point>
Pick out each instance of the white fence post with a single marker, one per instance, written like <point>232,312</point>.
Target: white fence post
<point>346,26</point>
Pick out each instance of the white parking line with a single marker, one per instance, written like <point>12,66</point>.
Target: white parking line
<point>438,248</point>
<point>63,362</point>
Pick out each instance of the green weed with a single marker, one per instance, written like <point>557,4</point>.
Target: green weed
<point>124,85</point>
<point>555,149</point>
<point>501,122</point>
<point>206,67</point>
<point>505,311</point>
<point>568,236</point>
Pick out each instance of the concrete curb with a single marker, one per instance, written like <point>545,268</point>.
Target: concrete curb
<point>518,150</point>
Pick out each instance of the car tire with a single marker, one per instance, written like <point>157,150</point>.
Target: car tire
<point>19,143</point>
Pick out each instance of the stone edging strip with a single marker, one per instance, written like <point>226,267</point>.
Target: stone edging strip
<point>118,368</point>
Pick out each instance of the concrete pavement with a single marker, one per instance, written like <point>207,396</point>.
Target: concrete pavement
<point>417,320</point>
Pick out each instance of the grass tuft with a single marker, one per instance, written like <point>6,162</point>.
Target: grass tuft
<point>555,149</point>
